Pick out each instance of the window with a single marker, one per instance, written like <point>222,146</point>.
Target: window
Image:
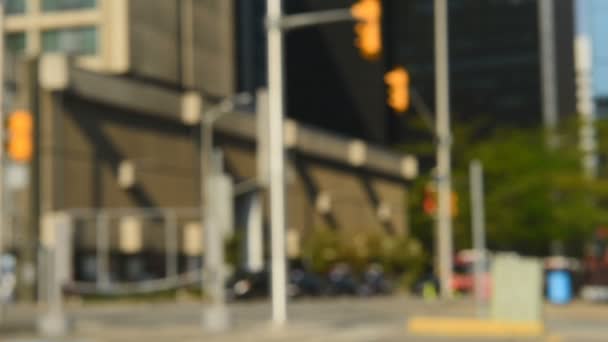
<point>15,7</point>
<point>63,5</point>
<point>78,41</point>
<point>15,42</point>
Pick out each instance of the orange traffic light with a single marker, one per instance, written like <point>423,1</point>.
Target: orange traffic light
<point>398,82</point>
<point>430,202</point>
<point>368,28</point>
<point>20,128</point>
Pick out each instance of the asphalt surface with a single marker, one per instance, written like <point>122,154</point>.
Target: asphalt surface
<point>345,319</point>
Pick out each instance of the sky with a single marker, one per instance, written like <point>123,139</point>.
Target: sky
<point>592,19</point>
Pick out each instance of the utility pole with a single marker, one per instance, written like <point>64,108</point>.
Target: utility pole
<point>479,232</point>
<point>276,23</point>
<point>215,317</point>
<point>546,19</point>
<point>276,163</point>
<point>444,186</point>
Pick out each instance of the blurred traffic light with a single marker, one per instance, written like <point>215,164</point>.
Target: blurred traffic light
<point>429,203</point>
<point>398,82</point>
<point>20,134</point>
<point>368,29</point>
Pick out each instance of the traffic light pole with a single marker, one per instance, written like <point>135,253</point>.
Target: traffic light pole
<point>442,84</point>
<point>294,21</point>
<point>478,233</point>
<point>277,163</point>
<point>215,317</point>
<point>276,24</point>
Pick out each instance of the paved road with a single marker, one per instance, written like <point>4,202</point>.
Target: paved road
<point>377,319</point>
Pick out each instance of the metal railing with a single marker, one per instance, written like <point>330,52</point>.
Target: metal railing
<point>126,251</point>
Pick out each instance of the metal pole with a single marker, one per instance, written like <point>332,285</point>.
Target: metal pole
<point>217,254</point>
<point>479,238</point>
<point>206,146</point>
<point>295,21</point>
<point>103,252</point>
<point>277,163</point>
<point>215,318</point>
<point>444,186</point>
<point>171,241</point>
<point>59,268</point>
<point>548,69</point>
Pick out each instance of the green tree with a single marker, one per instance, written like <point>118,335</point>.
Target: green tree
<point>533,195</point>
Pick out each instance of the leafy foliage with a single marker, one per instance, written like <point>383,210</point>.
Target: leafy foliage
<point>399,255</point>
<point>533,194</point>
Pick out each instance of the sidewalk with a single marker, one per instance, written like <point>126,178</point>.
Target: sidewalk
<point>348,319</point>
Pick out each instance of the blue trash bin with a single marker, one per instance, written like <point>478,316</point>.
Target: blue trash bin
<point>559,287</point>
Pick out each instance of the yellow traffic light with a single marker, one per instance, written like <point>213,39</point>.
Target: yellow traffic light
<point>398,82</point>
<point>20,133</point>
<point>368,29</point>
<point>430,202</point>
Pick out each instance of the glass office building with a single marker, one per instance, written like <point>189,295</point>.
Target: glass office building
<point>494,64</point>
<point>494,56</point>
<point>328,84</point>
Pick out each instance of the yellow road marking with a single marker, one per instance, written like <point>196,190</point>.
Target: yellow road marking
<point>473,327</point>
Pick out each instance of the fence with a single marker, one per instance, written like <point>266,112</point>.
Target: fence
<point>124,251</point>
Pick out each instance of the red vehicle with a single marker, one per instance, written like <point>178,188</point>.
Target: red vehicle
<point>463,279</point>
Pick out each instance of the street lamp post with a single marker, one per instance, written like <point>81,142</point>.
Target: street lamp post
<point>215,318</point>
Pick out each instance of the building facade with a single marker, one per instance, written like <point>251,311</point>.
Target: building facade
<point>118,87</point>
<point>186,44</point>
<point>494,50</point>
<point>495,58</point>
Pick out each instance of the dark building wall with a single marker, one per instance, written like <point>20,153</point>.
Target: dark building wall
<point>494,59</point>
<point>154,39</point>
<point>83,143</point>
<point>494,65</point>
<point>203,58</point>
<point>215,50</point>
<point>88,144</point>
<point>564,46</point>
<point>251,45</point>
<point>354,195</point>
<point>494,56</point>
<point>328,84</point>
